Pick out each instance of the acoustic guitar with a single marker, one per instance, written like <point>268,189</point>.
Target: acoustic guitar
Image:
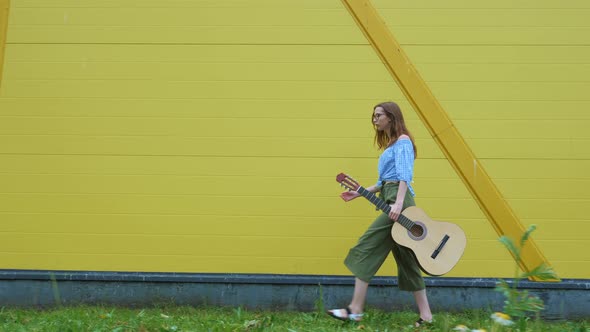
<point>437,245</point>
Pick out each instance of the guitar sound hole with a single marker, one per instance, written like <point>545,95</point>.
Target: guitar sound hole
<point>417,230</point>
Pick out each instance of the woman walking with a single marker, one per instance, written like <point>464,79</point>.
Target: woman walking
<point>396,168</point>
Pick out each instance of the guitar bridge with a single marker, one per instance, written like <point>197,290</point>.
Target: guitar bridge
<point>440,247</point>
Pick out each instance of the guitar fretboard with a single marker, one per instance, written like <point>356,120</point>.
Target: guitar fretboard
<point>383,206</point>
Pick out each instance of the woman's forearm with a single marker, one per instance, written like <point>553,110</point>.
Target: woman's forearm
<point>373,189</point>
<point>401,191</point>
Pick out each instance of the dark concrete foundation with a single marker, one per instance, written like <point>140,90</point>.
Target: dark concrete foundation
<point>568,299</point>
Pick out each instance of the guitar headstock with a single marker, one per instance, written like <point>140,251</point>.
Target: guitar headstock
<point>347,182</point>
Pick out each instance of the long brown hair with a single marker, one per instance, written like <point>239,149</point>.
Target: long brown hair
<point>398,127</point>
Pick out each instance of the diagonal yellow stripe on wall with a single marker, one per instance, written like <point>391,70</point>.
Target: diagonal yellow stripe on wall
<point>441,128</point>
<point>4,5</point>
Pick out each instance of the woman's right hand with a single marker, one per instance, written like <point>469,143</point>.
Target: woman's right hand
<point>349,195</point>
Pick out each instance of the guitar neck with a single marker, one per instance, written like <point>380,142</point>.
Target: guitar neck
<point>371,197</point>
<point>383,206</point>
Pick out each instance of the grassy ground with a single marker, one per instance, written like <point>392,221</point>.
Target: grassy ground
<point>218,319</point>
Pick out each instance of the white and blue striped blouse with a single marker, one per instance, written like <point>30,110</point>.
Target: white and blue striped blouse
<point>396,163</point>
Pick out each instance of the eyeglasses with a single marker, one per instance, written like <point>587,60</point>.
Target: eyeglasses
<point>376,116</point>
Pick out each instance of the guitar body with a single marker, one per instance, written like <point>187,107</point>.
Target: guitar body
<point>437,245</point>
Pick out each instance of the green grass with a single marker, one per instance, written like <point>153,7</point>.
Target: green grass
<point>173,318</point>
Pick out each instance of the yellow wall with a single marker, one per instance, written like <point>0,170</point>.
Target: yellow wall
<point>206,136</point>
<point>4,5</point>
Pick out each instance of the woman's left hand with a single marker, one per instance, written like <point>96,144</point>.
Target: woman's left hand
<point>395,211</point>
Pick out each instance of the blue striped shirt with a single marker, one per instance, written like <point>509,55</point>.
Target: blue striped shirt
<point>396,163</point>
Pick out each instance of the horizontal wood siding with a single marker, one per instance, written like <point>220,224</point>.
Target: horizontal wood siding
<point>507,87</point>
<point>205,136</point>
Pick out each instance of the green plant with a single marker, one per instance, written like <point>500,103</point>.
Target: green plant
<point>319,302</point>
<point>519,303</point>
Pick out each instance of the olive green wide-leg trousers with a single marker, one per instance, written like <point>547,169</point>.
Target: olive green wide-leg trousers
<point>373,247</point>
